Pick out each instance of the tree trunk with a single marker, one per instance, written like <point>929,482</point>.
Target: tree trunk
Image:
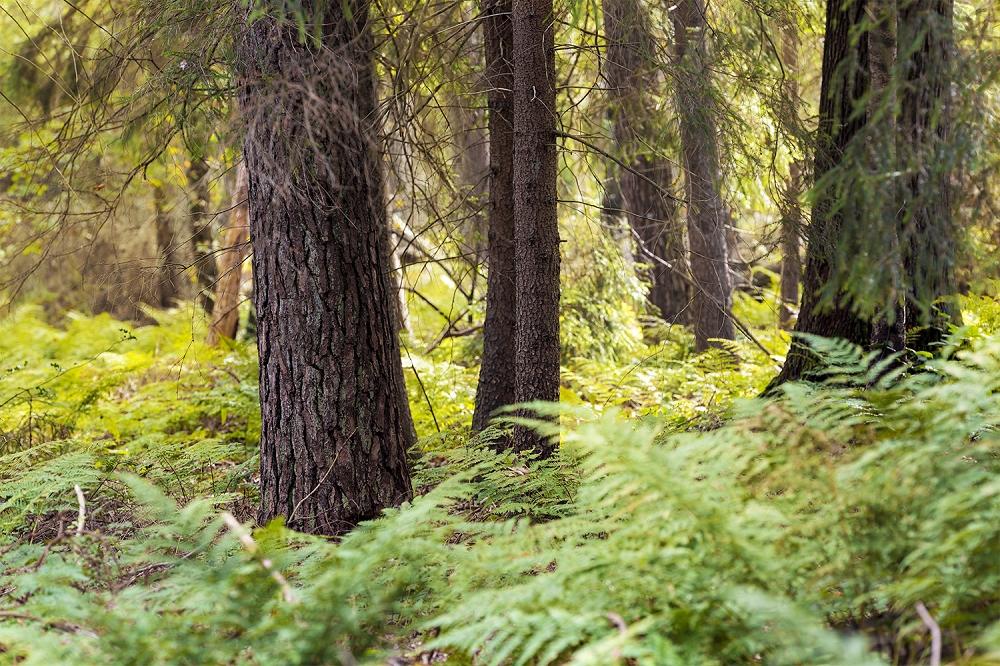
<point>336,425</point>
<point>612,218</point>
<point>472,161</point>
<point>889,328</point>
<point>496,373</point>
<point>791,218</point>
<point>201,231</point>
<point>536,231</point>
<point>166,249</point>
<point>235,246</point>
<point>706,212</point>
<point>927,229</point>
<point>401,306</point>
<point>791,262</point>
<point>629,70</point>
<point>845,81</point>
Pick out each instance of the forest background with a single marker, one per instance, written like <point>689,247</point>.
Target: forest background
<point>271,269</point>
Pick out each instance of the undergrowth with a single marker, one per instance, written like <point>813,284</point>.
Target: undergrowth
<point>680,523</point>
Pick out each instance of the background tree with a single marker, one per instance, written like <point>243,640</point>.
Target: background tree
<point>791,213</point>
<point>630,69</point>
<point>225,319</point>
<point>707,216</point>
<point>166,287</point>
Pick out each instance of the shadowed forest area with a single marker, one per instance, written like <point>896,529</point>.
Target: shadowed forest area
<point>500,332</point>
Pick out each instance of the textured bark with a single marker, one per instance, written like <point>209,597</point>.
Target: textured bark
<point>845,81</point>
<point>496,373</point>
<point>927,229</point>
<point>166,249</point>
<point>889,328</point>
<point>336,426</point>
<point>706,212</point>
<point>201,231</point>
<point>630,71</point>
<point>235,246</point>
<point>536,231</point>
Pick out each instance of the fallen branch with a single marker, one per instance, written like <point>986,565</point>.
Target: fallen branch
<point>287,593</point>
<point>935,630</point>
<point>82,516</point>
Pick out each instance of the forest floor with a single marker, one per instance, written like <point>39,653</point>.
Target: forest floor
<point>129,462</point>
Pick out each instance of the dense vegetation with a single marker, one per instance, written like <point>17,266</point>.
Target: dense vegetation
<point>709,527</point>
<point>508,332</point>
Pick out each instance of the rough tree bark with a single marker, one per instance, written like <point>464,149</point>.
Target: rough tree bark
<point>706,212</point>
<point>536,231</point>
<point>927,229</point>
<point>235,246</point>
<point>889,327</point>
<point>629,70</point>
<point>496,373</point>
<point>201,231</point>
<point>845,81</point>
<point>166,249</point>
<point>336,425</point>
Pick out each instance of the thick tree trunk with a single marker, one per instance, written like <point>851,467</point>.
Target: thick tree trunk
<point>336,426</point>
<point>845,81</point>
<point>630,71</point>
<point>166,249</point>
<point>927,229</point>
<point>889,328</point>
<point>201,231</point>
<point>536,231</point>
<point>235,246</point>
<point>706,212</point>
<point>496,373</point>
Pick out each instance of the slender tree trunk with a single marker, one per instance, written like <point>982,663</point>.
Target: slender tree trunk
<point>536,231</point>
<point>706,212</point>
<point>845,81</point>
<point>927,229</point>
<point>612,218</point>
<point>791,218</point>
<point>791,262</point>
<point>336,426</point>
<point>629,69</point>
<point>401,307</point>
<point>472,162</point>
<point>235,246</point>
<point>166,248</point>
<point>496,373</point>
<point>201,231</point>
